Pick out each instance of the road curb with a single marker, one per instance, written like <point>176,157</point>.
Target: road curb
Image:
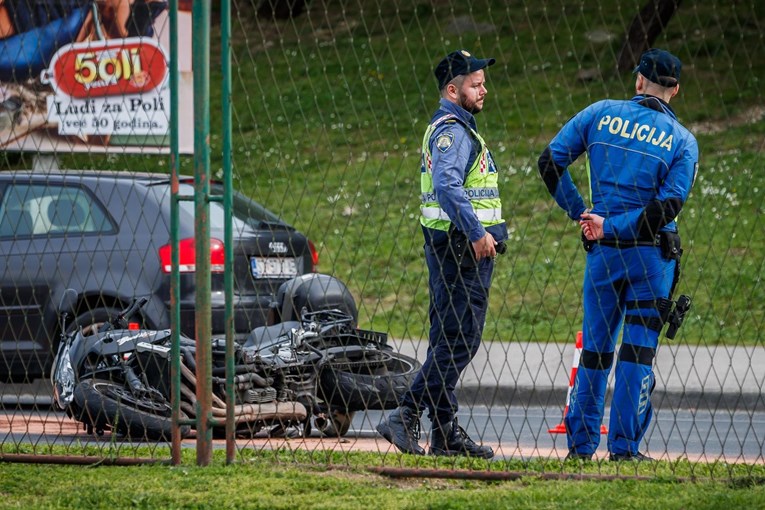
<point>661,399</point>
<point>538,373</point>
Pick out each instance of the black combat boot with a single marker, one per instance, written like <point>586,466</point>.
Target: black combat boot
<point>452,439</point>
<point>402,429</point>
<point>573,455</point>
<point>630,457</point>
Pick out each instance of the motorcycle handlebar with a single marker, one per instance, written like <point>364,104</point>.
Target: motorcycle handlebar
<point>121,321</point>
<point>132,309</point>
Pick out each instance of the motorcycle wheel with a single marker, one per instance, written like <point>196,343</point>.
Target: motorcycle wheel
<point>333,423</point>
<point>91,320</point>
<point>350,387</point>
<point>105,404</point>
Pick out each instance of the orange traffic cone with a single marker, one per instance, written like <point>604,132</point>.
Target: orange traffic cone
<point>561,427</point>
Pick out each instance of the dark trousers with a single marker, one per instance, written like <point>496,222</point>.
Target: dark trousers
<point>459,298</point>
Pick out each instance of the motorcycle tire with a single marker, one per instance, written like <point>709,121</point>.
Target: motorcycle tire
<point>349,391</point>
<point>333,424</point>
<point>91,320</point>
<point>106,405</point>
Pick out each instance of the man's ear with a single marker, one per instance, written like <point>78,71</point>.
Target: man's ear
<point>451,91</point>
<point>639,83</point>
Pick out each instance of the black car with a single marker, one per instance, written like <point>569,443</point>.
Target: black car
<point>107,235</point>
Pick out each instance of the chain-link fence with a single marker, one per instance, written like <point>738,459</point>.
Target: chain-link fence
<point>330,104</point>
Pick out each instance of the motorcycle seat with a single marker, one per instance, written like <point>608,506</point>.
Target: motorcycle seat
<point>268,336</point>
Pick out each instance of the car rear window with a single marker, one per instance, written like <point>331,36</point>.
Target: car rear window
<point>247,214</point>
<point>50,209</point>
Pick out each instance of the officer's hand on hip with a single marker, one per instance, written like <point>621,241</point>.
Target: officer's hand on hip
<point>485,247</point>
<point>592,226</point>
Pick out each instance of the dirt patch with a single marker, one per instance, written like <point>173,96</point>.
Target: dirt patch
<point>745,118</point>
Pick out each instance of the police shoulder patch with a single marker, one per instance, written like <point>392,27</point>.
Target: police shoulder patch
<point>444,141</point>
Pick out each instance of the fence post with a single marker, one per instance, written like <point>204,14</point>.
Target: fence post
<point>203,327</point>
<point>175,277</point>
<point>228,242</point>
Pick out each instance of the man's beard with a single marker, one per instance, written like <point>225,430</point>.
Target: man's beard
<point>470,106</point>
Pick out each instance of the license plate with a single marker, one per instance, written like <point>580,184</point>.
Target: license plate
<point>273,267</point>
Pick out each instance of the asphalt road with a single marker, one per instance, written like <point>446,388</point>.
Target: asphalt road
<point>515,432</point>
<point>703,434</point>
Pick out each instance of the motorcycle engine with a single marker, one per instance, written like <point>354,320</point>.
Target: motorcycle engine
<point>258,395</point>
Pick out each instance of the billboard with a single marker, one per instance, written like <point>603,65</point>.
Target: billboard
<point>92,76</point>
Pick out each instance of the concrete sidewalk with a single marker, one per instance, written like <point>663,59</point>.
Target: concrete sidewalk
<point>688,377</point>
<point>537,374</point>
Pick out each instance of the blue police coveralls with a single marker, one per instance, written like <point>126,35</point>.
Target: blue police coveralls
<point>642,164</point>
<point>459,296</point>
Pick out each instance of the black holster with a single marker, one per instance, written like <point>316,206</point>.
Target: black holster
<point>671,249</point>
<point>460,249</point>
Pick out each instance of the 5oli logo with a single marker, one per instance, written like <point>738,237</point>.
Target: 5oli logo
<point>107,68</point>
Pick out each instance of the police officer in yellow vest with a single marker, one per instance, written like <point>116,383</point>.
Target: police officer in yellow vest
<point>461,217</point>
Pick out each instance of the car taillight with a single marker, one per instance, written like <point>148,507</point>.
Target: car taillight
<point>187,257</point>
<point>217,256</point>
<point>314,256</point>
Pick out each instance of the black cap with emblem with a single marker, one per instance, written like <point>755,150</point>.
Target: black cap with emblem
<point>458,63</point>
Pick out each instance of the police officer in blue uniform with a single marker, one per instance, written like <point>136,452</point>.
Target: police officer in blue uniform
<point>463,229</point>
<point>642,164</point>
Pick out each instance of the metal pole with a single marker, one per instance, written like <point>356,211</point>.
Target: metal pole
<point>228,242</point>
<point>203,324</point>
<point>175,277</point>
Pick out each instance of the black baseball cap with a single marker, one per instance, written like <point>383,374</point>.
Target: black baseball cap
<point>660,66</point>
<point>458,63</point>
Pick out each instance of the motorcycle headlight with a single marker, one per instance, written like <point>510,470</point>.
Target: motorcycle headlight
<point>63,379</point>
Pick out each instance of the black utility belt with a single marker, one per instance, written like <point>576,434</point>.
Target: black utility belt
<point>615,243</point>
<point>669,242</point>
<point>460,250</point>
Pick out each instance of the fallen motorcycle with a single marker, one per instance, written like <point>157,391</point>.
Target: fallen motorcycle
<point>290,377</point>
<point>111,376</point>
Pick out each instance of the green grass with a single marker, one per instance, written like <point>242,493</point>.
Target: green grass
<point>300,479</point>
<point>329,110</point>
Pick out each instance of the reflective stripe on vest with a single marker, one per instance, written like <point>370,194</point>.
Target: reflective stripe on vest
<point>481,185</point>
<point>485,216</point>
<point>470,194</point>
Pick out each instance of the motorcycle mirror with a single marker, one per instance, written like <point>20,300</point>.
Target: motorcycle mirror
<point>68,302</point>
